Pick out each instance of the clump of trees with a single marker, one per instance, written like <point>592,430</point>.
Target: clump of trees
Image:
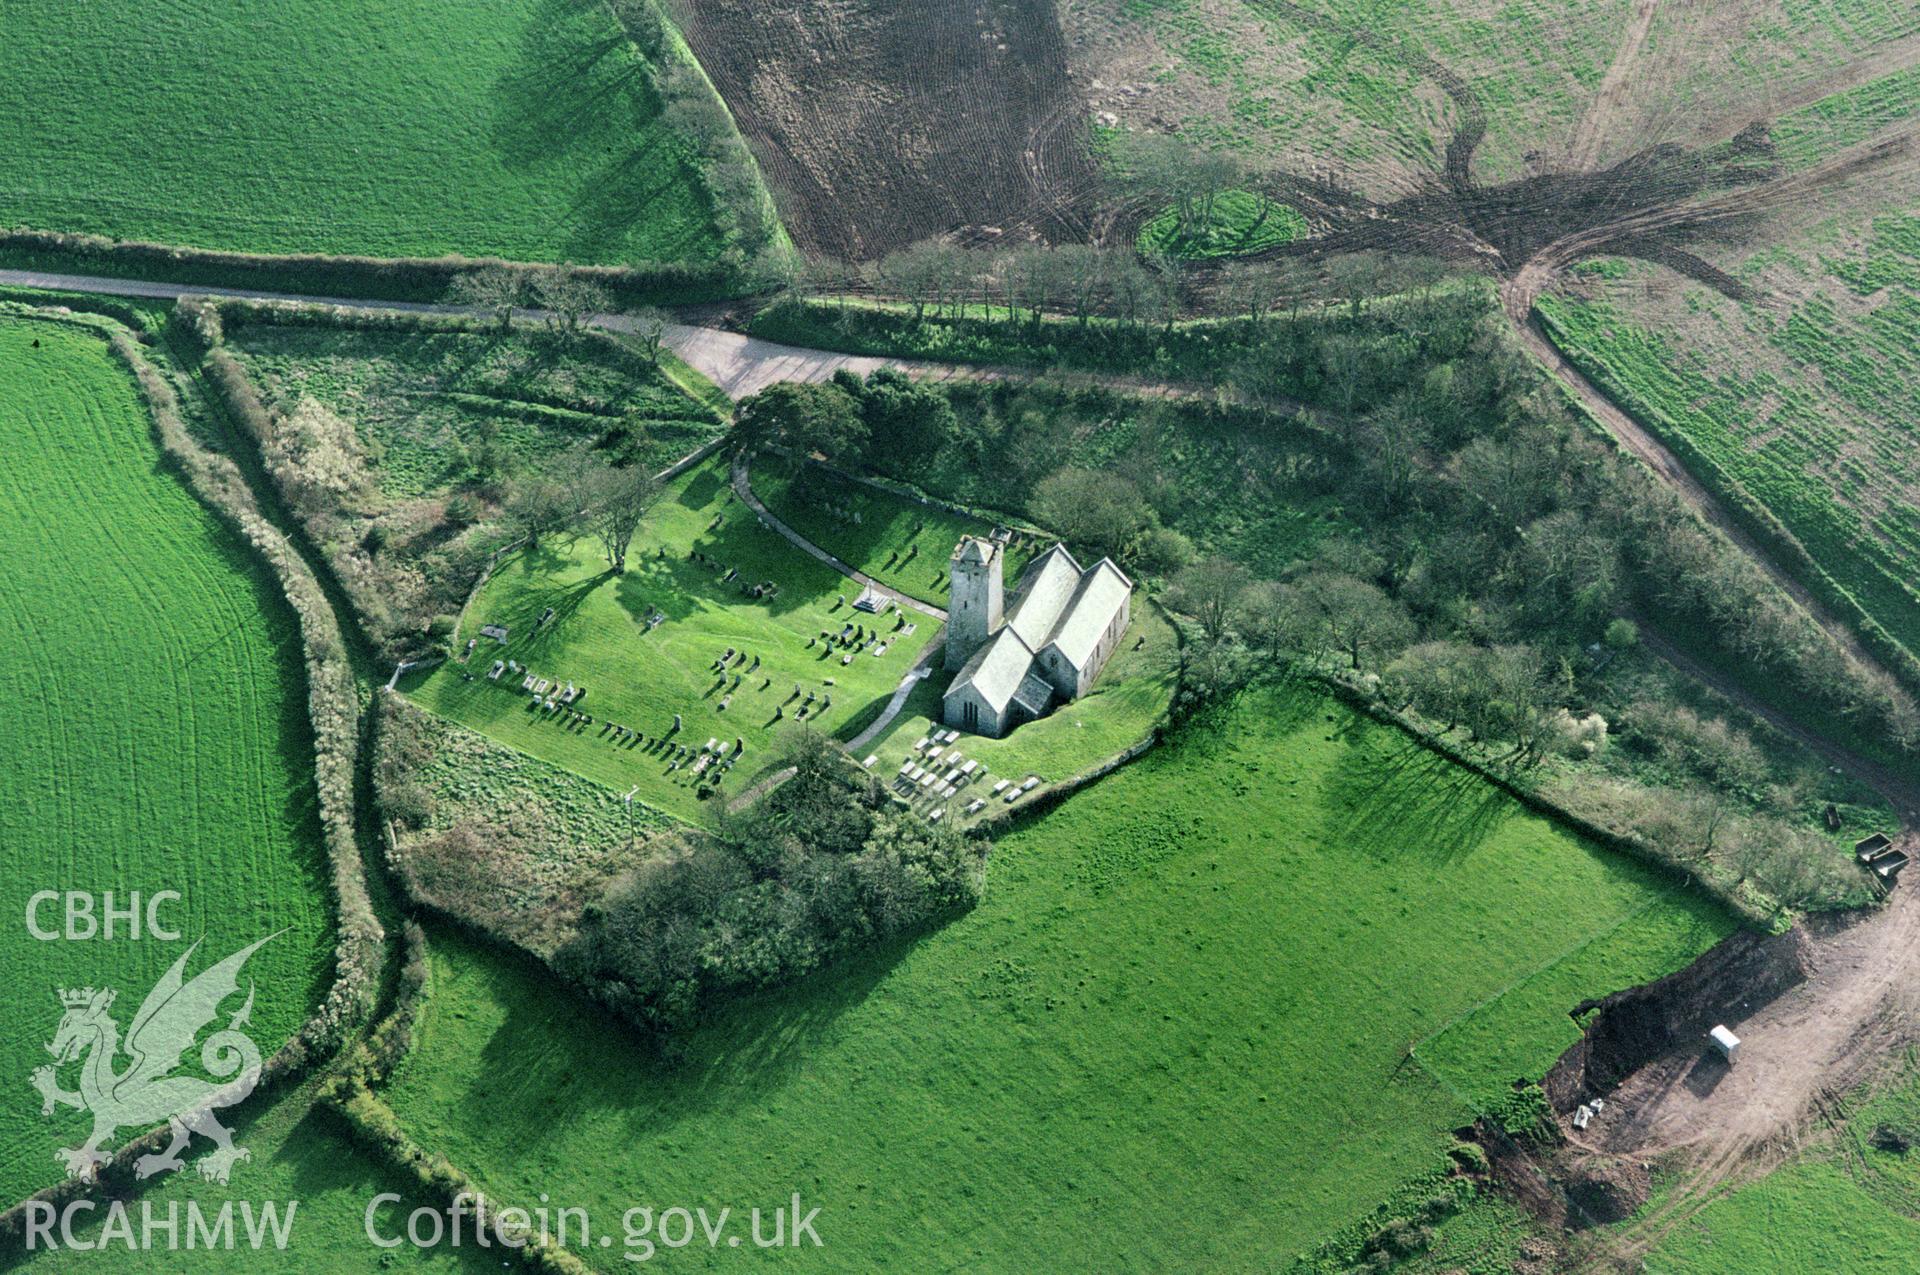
<point>562,294</point>
<point>823,863</point>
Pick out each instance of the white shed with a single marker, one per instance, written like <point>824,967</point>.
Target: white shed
<point>1725,1042</point>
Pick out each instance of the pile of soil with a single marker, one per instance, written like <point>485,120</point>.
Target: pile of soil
<point>1605,1188</point>
<point>1630,1029</point>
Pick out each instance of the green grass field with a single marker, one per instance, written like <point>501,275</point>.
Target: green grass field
<point>639,677</point>
<point>1803,405</point>
<point>1241,222</point>
<point>522,128</point>
<point>301,1153</point>
<point>157,737</point>
<point>423,400</point>
<point>1212,964</point>
<point>902,544</point>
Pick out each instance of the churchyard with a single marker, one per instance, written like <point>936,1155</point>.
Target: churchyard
<point>902,542</point>
<point>916,754</point>
<point>668,683</point>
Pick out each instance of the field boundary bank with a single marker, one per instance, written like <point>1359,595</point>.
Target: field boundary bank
<point>1532,799</point>
<point>377,1129</point>
<point>332,708</point>
<point>361,277</point>
<point>1759,522</point>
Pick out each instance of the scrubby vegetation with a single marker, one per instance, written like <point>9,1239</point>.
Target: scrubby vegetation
<point>413,447</point>
<point>1800,420</point>
<point>1443,535</point>
<point>496,838</point>
<point>822,864</point>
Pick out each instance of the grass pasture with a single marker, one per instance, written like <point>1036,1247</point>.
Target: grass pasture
<point>301,1152</point>
<point>902,544</point>
<point>157,737</point>
<point>518,128</point>
<point>1241,222</point>
<point>1213,962</point>
<point>1801,402</point>
<point>641,677</point>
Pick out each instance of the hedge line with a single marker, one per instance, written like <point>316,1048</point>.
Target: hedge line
<point>382,278</point>
<point>332,695</point>
<point>1363,699</point>
<point>333,706</point>
<point>222,313</point>
<point>377,1128</point>
<point>1753,517</point>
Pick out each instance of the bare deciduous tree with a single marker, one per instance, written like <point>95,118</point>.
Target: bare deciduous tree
<point>617,500</point>
<point>498,290</point>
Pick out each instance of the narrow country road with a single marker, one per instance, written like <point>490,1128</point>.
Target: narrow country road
<point>1821,1038</point>
<point>740,365</point>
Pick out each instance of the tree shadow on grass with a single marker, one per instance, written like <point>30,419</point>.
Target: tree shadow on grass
<point>1389,797</point>
<point>576,86</point>
<point>579,94</point>
<point>565,601</point>
<point>540,1061</point>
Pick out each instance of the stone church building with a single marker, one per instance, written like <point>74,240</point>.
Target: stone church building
<point>1048,644</point>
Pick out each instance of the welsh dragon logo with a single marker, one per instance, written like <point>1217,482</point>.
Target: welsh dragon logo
<point>145,1091</point>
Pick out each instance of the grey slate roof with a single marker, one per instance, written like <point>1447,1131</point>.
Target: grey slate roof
<point>1035,693</point>
<point>996,669</point>
<point>1101,593</point>
<point>973,549</point>
<point>1046,587</point>
<point>1058,604</point>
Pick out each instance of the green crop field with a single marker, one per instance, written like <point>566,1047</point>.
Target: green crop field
<point>1801,400</point>
<point>157,736</point>
<point>899,542</point>
<point>522,128</point>
<point>422,402</point>
<point>1212,963</point>
<point>640,677</point>
<point>1241,222</point>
